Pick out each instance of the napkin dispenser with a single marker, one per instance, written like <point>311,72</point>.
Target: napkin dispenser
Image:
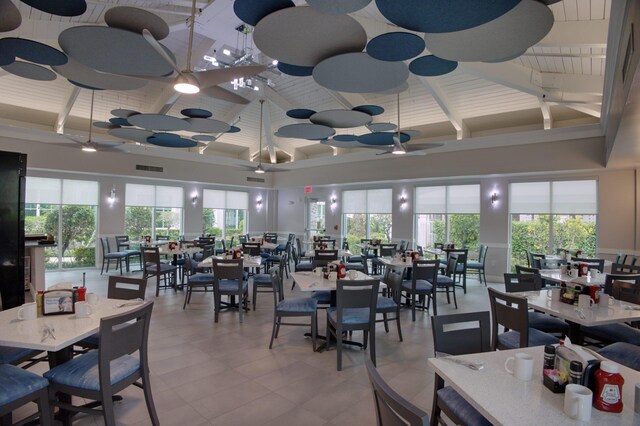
<point>557,379</point>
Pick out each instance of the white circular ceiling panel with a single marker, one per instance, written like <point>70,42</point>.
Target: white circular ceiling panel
<point>306,131</point>
<point>10,17</point>
<point>341,118</point>
<point>206,125</point>
<point>382,127</point>
<point>80,73</point>
<point>338,7</point>
<point>136,19</point>
<point>136,135</point>
<point>159,122</point>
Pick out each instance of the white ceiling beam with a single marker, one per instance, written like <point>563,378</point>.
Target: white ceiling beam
<point>66,109</point>
<point>587,34</point>
<point>285,105</point>
<point>165,100</point>
<point>268,131</point>
<point>573,83</point>
<point>443,101</point>
<point>546,113</point>
<point>347,100</point>
<point>594,110</point>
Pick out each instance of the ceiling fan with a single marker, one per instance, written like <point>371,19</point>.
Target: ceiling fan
<point>260,169</point>
<point>206,82</point>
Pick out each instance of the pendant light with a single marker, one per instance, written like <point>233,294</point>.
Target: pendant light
<point>259,169</point>
<point>398,149</point>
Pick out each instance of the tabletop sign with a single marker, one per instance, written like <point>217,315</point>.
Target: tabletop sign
<point>308,189</point>
<point>56,302</point>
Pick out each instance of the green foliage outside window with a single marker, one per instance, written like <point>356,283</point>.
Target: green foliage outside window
<point>138,222</point>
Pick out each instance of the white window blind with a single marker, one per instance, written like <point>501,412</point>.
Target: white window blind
<point>463,199</point>
<point>169,196</point>
<point>43,191</point>
<point>80,192</point>
<point>530,198</point>
<point>140,195</point>
<point>380,201</point>
<point>354,202</point>
<point>574,197</point>
<point>431,199</point>
<point>215,199</point>
<point>237,200</point>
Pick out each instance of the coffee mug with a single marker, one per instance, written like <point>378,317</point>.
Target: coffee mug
<point>83,309</point>
<point>577,402</point>
<point>28,311</point>
<point>593,273</point>
<point>563,269</point>
<point>333,276</point>
<point>606,300</point>
<point>317,271</point>
<point>92,298</point>
<point>523,368</point>
<point>553,293</point>
<point>353,274</point>
<point>584,301</point>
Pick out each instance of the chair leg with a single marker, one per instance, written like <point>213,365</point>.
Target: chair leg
<point>455,302</point>
<point>241,306</point>
<point>386,322</point>
<point>273,332</point>
<point>448,297</point>
<point>102,269</point>
<point>339,348</point>
<point>413,307</point>
<point>255,293</point>
<point>435,409</point>
<point>314,330</point>
<point>151,408</point>
<point>107,410</point>
<point>46,414</point>
<point>372,347</point>
<point>157,285</point>
<point>187,296</point>
<point>398,322</point>
<point>216,306</point>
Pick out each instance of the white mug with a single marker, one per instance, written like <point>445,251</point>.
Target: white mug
<point>28,311</point>
<point>584,301</point>
<point>353,274</point>
<point>606,300</point>
<point>523,368</point>
<point>317,272</point>
<point>333,276</point>
<point>593,273</point>
<point>553,293</point>
<point>92,298</point>
<point>83,309</point>
<point>563,269</point>
<point>577,402</point>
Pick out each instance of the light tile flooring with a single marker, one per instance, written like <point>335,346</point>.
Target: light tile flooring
<point>203,373</point>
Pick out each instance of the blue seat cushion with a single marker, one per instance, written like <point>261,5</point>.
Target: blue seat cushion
<point>10,355</point>
<point>91,341</point>
<point>386,304</point>
<point>623,353</point>
<point>304,266</point>
<point>231,286</point>
<point>459,268</point>
<point>444,280</point>
<point>547,323</point>
<point>262,279</point>
<point>82,371</point>
<point>421,285</point>
<point>350,316</point>
<point>164,268</point>
<point>474,265</point>
<point>323,297</point>
<point>16,383</point>
<point>511,339</point>
<point>305,305</point>
<point>201,279</point>
<point>354,259</point>
<point>458,405</point>
<point>115,255</point>
<point>274,258</point>
<point>355,266</point>
<point>614,333</point>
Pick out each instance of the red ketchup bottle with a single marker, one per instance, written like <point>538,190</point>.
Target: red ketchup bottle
<point>342,270</point>
<point>608,394</point>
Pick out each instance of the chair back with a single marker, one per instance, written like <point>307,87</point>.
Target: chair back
<point>391,408</point>
<point>626,291</point>
<point>106,248</point>
<point>393,279</point>
<point>597,264</point>
<point>208,251</point>
<point>462,255</point>
<point>621,258</point>
<point>420,251</point>
<point>438,246</point>
<point>242,239</point>
<point>551,263</point>
<point>323,257</point>
<point>357,294</point>
<point>403,245</point>
<point>331,244</point>
<point>387,250</point>
<point>510,312</point>
<point>345,245</point>
<point>253,249</point>
<point>276,283</point>
<point>150,257</point>
<point>295,253</point>
<point>227,269</point>
<point>482,255</point>
<point>365,240</point>
<point>121,241</point>
<point>610,278</point>
<point>619,268</point>
<point>522,282</point>
<point>461,334</point>
<point>534,259</point>
<point>526,270</point>
<point>126,288</point>
<point>424,270</point>
<point>270,237</point>
<point>205,241</point>
<point>162,238</point>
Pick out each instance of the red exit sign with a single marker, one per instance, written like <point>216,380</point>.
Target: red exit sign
<point>308,190</point>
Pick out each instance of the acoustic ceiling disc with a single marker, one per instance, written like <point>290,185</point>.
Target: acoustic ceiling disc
<point>303,36</point>
<point>10,17</point>
<point>105,125</point>
<point>252,11</point>
<point>84,75</point>
<point>306,131</point>
<point>300,113</point>
<point>234,129</point>
<point>515,31</point>
<point>508,58</point>
<point>84,86</point>
<point>431,66</point>
<point>120,121</point>
<point>443,16</point>
<point>204,138</point>
<point>124,113</point>
<point>113,50</point>
<point>382,127</point>
<point>136,135</point>
<point>359,73</point>
<point>398,89</point>
<point>30,71</point>
<point>196,113</point>
<point>59,7</point>
<point>341,118</point>
<point>412,133</point>
<point>159,122</point>
<point>169,140</point>
<point>33,51</point>
<point>372,110</point>
<point>395,46</point>
<point>295,70</point>
<point>382,138</point>
<point>339,143</point>
<point>6,58</point>
<point>136,19</point>
<point>345,138</point>
<point>338,7</point>
<point>207,125</point>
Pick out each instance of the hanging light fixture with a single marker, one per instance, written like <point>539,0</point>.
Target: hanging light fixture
<point>398,149</point>
<point>89,146</point>
<point>259,169</point>
<point>186,82</point>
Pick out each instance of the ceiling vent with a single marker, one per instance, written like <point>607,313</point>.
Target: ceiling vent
<point>149,168</point>
<point>255,179</point>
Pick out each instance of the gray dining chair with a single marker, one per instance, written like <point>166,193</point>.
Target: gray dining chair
<point>389,302</point>
<point>421,286</point>
<point>229,281</point>
<point>19,387</point>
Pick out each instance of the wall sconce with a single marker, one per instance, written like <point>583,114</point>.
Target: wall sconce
<point>494,198</point>
<point>194,198</point>
<point>259,203</point>
<point>112,195</point>
<point>334,201</point>
<point>403,201</point>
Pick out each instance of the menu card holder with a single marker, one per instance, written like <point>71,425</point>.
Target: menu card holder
<point>58,302</point>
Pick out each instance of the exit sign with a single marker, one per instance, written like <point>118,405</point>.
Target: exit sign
<point>308,190</point>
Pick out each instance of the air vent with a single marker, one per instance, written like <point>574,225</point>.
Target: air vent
<point>149,168</point>
<point>255,179</point>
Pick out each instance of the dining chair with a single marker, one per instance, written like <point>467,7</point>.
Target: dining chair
<point>610,278</point>
<point>512,312</point>
<point>534,259</point>
<point>273,258</point>
<point>390,300</point>
<point>198,281</point>
<point>252,249</point>
<point>322,258</point>
<point>263,283</point>
<point>362,265</point>
<point>460,270</point>
<point>98,375</point>
<point>538,320</point>
<point>19,387</point>
<point>551,263</point>
<point>291,308</point>
<point>153,267</point>
<point>526,270</point>
<point>298,264</point>
<point>243,239</point>
<point>391,408</point>
<point>423,274</point>
<point>301,253</point>
<point>386,250</point>
<point>597,264</point>
<point>622,353</point>
<point>108,256</point>
<point>619,268</point>
<point>162,238</point>
<point>229,281</point>
<point>446,283</point>
<point>479,265</point>
<point>122,245</point>
<point>458,334</point>
<point>355,310</point>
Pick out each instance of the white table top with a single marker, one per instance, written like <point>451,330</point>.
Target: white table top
<point>505,400</point>
<point>307,281</point>
<point>596,315</point>
<point>164,249</point>
<point>341,253</point>
<point>265,246</point>
<point>249,262</point>
<point>68,328</point>
<point>393,261</point>
<point>555,275</point>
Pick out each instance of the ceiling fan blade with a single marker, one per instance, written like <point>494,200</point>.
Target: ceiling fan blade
<point>225,75</point>
<point>224,94</point>
<point>421,147</point>
<point>158,48</point>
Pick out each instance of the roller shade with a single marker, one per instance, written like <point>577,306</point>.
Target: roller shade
<point>574,197</point>
<point>463,199</point>
<point>80,192</point>
<point>43,191</point>
<point>215,199</point>
<point>237,200</point>
<point>372,201</point>
<point>530,198</point>
<point>354,202</point>
<point>140,195</point>
<point>431,199</point>
<point>169,196</point>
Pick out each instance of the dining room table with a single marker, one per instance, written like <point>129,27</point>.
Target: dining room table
<point>503,399</point>
<point>248,261</point>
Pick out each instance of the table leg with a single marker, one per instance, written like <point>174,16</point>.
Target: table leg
<point>574,333</point>
<point>55,359</point>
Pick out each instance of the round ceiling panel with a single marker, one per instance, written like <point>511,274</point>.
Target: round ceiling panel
<point>341,118</point>
<point>136,19</point>
<point>306,131</point>
<point>295,70</point>
<point>382,127</point>
<point>105,125</point>
<point>196,113</point>
<point>395,46</point>
<point>33,51</point>
<point>10,17</point>
<point>234,129</point>
<point>303,36</point>
<point>431,66</point>
<point>59,7</point>
<point>372,110</point>
<point>159,122</point>
<point>300,113</point>
<point>207,125</point>
<point>120,121</point>
<point>6,58</point>
<point>169,140</point>
<point>340,144</point>
<point>204,138</point>
<point>338,7</point>
<point>345,138</point>
<point>508,58</point>
<point>30,71</point>
<point>86,76</point>
<point>136,135</point>
<point>382,138</point>
<point>124,113</point>
<point>412,133</point>
<point>252,11</point>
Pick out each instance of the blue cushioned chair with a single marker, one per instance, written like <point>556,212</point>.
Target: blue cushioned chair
<point>390,301</point>
<point>321,259</point>
<point>446,283</point>
<point>108,256</point>
<point>623,353</point>
<point>512,313</point>
<point>123,246</point>
<point>152,267</point>
<point>198,282</point>
<point>228,280</point>
<point>287,308</point>
<point>478,266</point>
<point>19,387</point>
<point>423,274</point>
<point>15,356</point>
<point>98,375</point>
<point>265,281</point>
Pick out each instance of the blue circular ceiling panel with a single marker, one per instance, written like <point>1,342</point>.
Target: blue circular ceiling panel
<point>443,16</point>
<point>59,7</point>
<point>300,113</point>
<point>372,110</point>
<point>395,46</point>
<point>233,129</point>
<point>196,113</point>
<point>6,58</point>
<point>33,51</point>
<point>295,70</point>
<point>382,138</point>
<point>170,140</point>
<point>30,71</point>
<point>338,7</point>
<point>83,86</point>
<point>431,66</point>
<point>204,138</point>
<point>345,138</point>
<point>252,11</point>
<point>119,121</point>
<point>159,122</point>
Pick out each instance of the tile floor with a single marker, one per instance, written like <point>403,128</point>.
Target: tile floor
<point>204,373</point>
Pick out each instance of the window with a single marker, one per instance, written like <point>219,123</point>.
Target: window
<point>367,214</point>
<point>547,216</point>
<point>67,209</point>
<point>224,213</point>
<point>153,210</point>
<point>448,214</point>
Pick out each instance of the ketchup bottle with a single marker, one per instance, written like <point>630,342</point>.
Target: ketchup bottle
<point>608,394</point>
